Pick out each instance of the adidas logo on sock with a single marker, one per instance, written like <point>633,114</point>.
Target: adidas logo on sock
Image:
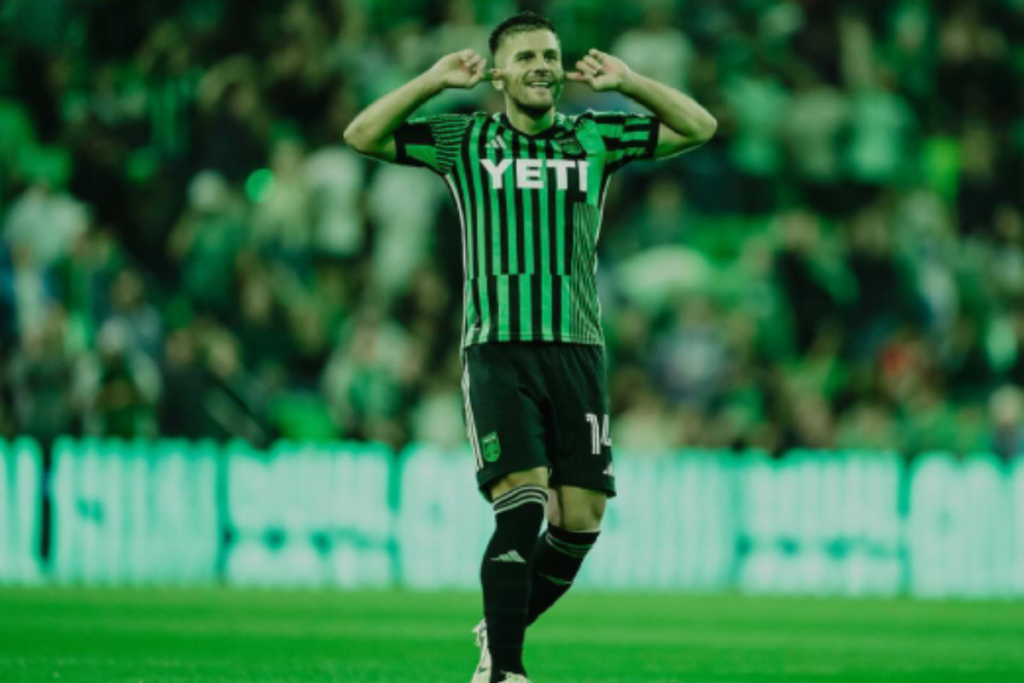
<point>510,556</point>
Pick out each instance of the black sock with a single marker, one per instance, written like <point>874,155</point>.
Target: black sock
<point>556,561</point>
<point>505,575</point>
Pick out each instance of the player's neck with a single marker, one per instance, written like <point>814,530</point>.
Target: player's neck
<point>531,123</point>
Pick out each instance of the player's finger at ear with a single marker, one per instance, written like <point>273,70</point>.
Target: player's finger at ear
<point>575,76</point>
<point>583,77</point>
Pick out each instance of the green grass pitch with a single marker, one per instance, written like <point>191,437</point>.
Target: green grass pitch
<point>72,635</point>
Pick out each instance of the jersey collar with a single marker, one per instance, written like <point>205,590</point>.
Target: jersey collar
<point>552,131</point>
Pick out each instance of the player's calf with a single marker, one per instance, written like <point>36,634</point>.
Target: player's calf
<point>557,559</point>
<point>505,575</point>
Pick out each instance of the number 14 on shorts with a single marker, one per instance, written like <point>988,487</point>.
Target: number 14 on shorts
<point>600,432</point>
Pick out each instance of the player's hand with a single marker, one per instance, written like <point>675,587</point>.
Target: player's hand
<point>601,71</point>
<point>462,69</point>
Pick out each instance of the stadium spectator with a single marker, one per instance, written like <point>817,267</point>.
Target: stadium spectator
<point>40,375</point>
<point>181,411</point>
<point>207,241</point>
<point>132,312</point>
<point>118,386</point>
<point>44,223</point>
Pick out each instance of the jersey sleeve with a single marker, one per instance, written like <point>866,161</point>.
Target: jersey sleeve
<point>431,141</point>
<point>627,137</point>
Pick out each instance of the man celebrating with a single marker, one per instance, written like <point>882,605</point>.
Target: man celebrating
<point>530,185</point>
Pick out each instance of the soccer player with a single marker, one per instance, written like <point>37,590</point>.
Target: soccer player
<point>530,185</point>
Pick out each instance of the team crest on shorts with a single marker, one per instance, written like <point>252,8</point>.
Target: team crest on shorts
<point>491,447</point>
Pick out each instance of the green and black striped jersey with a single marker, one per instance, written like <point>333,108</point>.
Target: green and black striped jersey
<point>530,207</point>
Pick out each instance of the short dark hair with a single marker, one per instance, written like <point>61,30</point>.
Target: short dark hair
<point>519,23</point>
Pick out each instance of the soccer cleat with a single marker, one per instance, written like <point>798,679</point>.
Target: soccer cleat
<point>483,669</point>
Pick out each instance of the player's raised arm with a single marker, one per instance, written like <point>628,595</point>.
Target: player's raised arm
<point>372,131</point>
<point>684,123</point>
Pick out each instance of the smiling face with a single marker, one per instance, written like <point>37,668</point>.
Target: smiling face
<point>531,62</point>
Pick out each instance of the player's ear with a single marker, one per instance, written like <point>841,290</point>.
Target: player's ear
<point>496,80</point>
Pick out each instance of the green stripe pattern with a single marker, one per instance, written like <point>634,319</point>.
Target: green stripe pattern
<point>432,141</point>
<point>520,496</point>
<point>575,550</point>
<point>530,209</point>
<point>555,580</point>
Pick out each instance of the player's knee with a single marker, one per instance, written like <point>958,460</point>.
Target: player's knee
<point>538,476</point>
<point>583,513</point>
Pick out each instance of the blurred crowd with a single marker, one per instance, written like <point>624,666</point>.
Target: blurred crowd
<point>187,247</point>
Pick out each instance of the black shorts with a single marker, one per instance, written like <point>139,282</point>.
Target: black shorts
<point>539,405</point>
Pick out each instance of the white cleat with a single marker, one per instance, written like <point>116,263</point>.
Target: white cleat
<point>515,678</point>
<point>483,669</point>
